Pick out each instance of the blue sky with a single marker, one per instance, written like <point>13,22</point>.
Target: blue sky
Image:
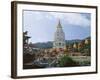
<point>41,25</point>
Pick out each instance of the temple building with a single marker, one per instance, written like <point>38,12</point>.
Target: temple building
<point>26,37</point>
<point>59,38</point>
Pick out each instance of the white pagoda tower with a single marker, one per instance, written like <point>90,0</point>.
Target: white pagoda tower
<point>59,38</point>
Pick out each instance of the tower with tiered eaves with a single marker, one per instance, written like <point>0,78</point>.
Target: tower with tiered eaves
<point>59,38</point>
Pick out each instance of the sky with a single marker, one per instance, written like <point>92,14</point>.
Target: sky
<point>41,25</point>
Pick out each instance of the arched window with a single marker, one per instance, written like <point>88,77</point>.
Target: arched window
<point>59,44</point>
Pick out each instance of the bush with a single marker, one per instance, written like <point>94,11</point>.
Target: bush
<point>85,63</point>
<point>86,49</point>
<point>67,61</point>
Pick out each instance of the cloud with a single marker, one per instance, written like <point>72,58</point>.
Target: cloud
<point>42,25</point>
<point>72,18</point>
<point>77,19</point>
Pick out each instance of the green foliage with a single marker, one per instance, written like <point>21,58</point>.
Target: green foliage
<point>85,63</point>
<point>86,49</point>
<point>67,61</point>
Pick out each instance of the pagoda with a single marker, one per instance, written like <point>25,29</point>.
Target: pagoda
<point>59,38</point>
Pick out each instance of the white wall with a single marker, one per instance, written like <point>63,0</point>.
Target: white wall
<point>5,41</point>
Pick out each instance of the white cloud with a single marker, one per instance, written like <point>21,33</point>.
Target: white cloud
<point>72,18</point>
<point>49,17</point>
<point>77,19</point>
<point>69,18</point>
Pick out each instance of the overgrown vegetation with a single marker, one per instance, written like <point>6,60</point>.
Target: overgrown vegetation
<point>67,61</point>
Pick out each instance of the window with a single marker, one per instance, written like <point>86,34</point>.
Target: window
<point>59,44</point>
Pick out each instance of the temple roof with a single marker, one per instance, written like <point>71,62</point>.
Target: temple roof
<point>59,25</point>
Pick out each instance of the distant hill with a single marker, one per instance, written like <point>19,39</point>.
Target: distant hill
<point>72,41</point>
<point>49,44</point>
<point>88,38</point>
<point>43,45</point>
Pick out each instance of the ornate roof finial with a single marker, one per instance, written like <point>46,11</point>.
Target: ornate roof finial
<point>59,24</point>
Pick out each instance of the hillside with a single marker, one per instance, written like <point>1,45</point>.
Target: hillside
<point>49,44</point>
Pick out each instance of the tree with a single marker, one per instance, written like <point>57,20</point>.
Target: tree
<point>67,61</point>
